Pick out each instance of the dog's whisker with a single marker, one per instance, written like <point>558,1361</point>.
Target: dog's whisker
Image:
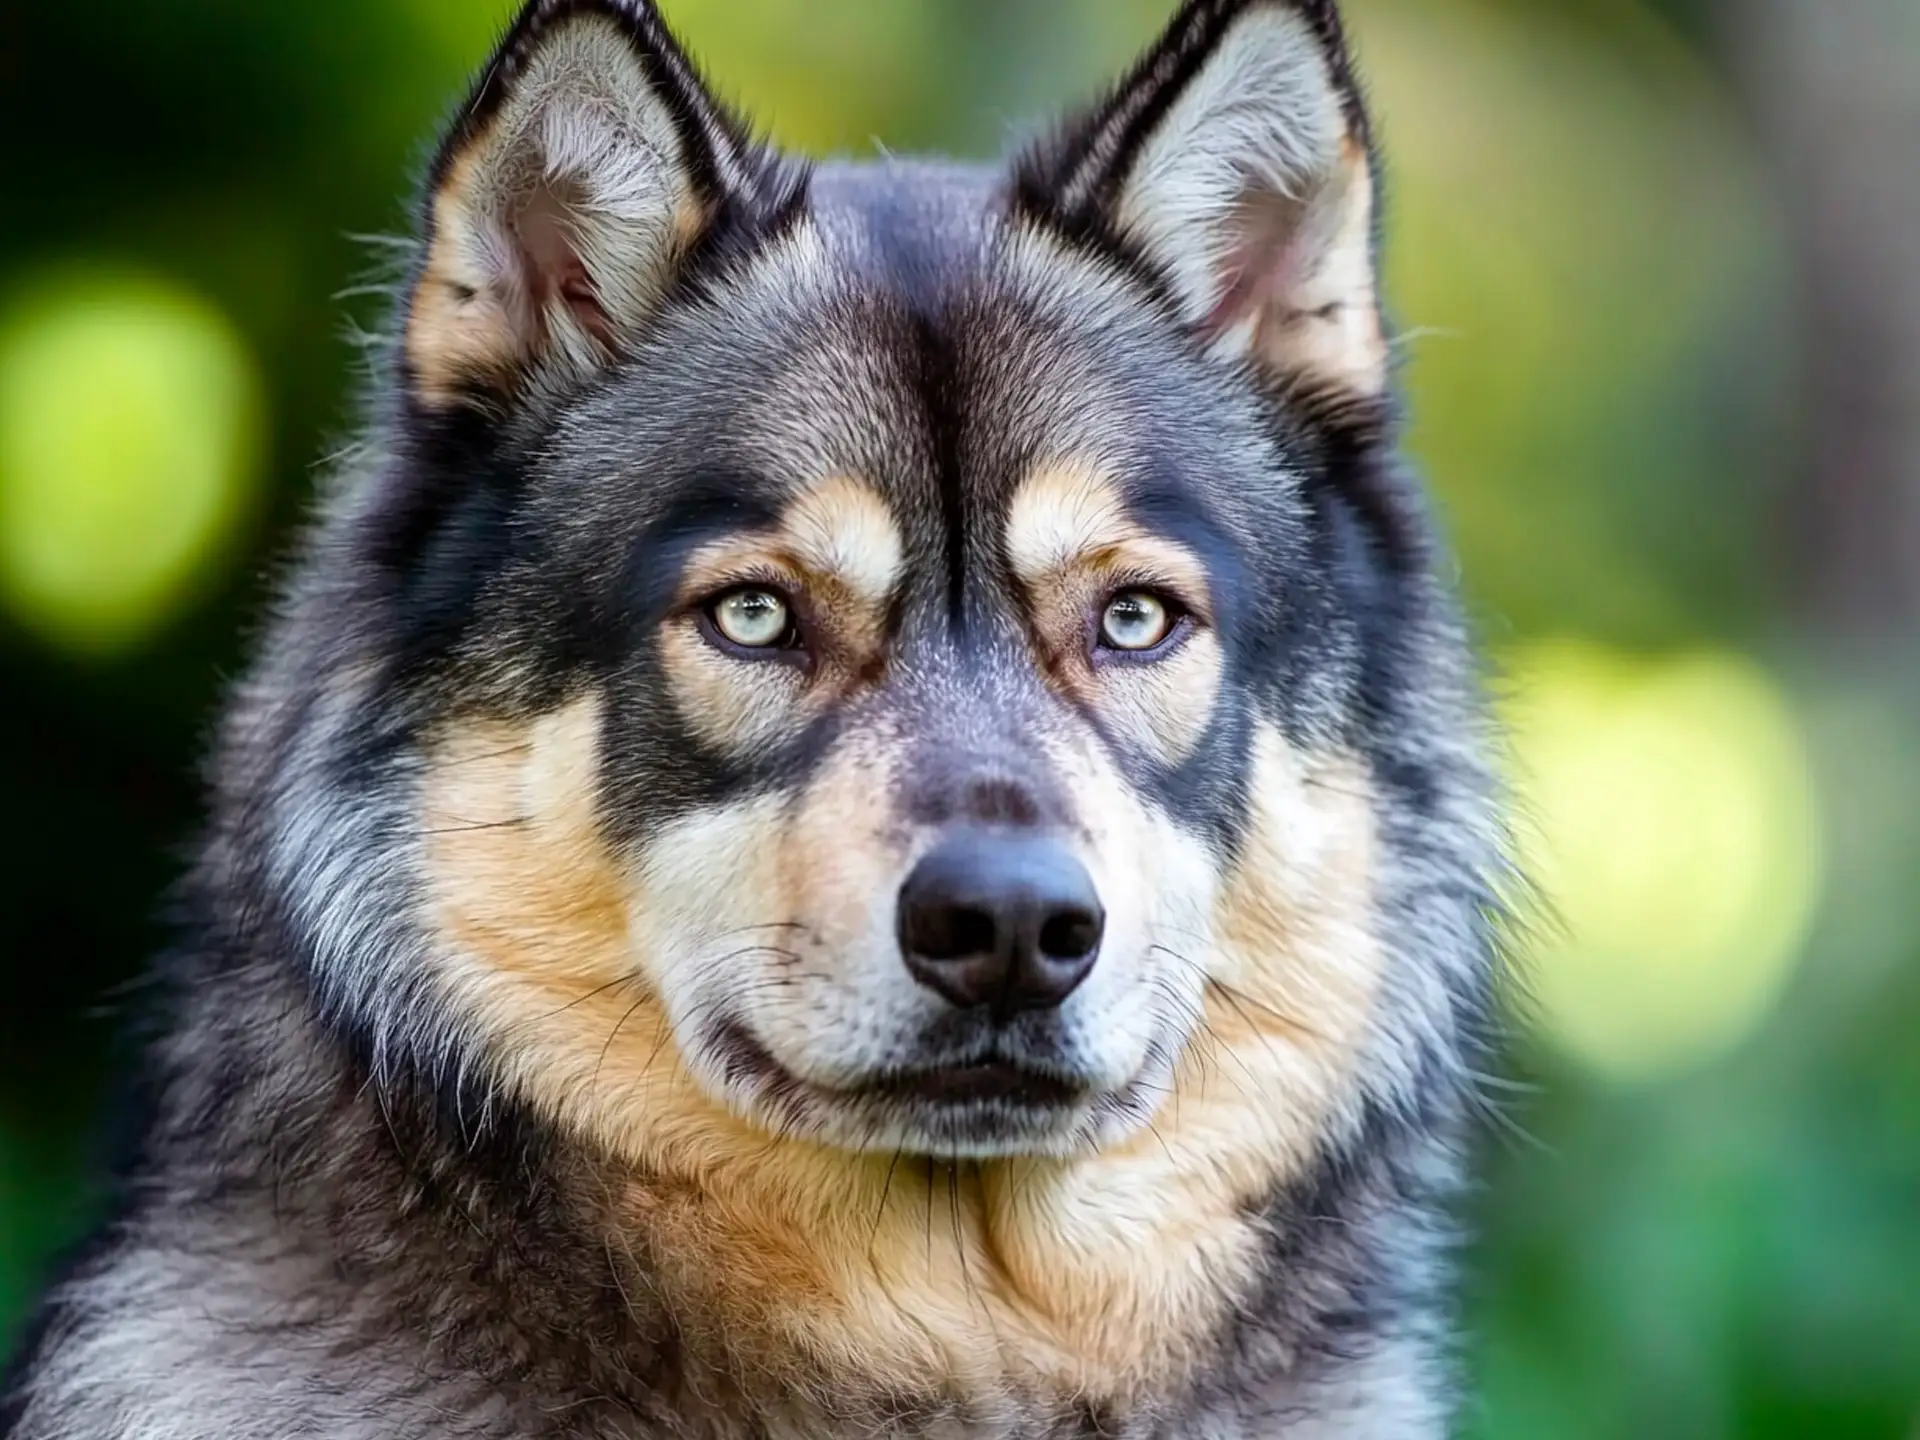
<point>593,994</point>
<point>474,827</point>
<point>886,1190</point>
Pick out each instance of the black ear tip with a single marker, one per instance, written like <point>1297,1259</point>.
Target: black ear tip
<point>1226,11</point>
<point>537,20</point>
<point>541,12</point>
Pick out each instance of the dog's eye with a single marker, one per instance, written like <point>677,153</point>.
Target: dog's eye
<point>1136,621</point>
<point>753,620</point>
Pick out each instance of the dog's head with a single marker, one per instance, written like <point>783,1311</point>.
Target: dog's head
<point>903,657</point>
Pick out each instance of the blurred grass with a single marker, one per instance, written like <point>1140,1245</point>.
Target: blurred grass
<point>1609,384</point>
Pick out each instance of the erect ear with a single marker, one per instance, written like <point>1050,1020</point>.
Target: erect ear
<point>586,164</point>
<point>1235,161</point>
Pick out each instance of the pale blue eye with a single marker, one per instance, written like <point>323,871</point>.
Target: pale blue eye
<point>753,619</point>
<point>1135,620</point>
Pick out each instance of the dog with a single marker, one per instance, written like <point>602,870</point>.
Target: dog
<point>867,812</point>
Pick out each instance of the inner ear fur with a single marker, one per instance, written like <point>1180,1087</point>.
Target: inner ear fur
<point>587,163</point>
<point>1235,161</point>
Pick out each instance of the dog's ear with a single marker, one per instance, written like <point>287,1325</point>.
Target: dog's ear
<point>585,166</point>
<point>1235,163</point>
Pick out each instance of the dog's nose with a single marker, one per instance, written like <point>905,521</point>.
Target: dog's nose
<point>1010,922</point>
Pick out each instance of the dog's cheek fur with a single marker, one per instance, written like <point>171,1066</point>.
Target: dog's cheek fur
<point>525,909</point>
<point>1300,964</point>
<point>560,956</point>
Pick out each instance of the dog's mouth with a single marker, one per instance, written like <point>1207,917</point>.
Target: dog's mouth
<point>984,1106</point>
<point>984,1102</point>
<point>991,1081</point>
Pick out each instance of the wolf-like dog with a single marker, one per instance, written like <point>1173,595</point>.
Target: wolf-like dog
<point>866,813</point>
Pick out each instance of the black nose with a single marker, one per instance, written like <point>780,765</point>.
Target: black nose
<point>1007,921</point>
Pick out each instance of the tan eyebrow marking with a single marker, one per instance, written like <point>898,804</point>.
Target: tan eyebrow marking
<point>842,528</point>
<point>1062,512</point>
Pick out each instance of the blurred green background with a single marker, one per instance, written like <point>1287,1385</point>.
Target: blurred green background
<point>1659,265</point>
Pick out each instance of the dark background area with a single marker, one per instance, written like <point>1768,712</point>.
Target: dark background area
<point>1660,266</point>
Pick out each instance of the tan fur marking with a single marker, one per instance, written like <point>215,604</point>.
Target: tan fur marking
<point>1071,544</point>
<point>520,878</point>
<point>1070,515</point>
<point>843,531</point>
<point>729,709</point>
<point>1299,964</point>
<point>837,536</point>
<point>461,327</point>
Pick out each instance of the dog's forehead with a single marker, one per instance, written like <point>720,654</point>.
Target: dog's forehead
<point>1017,348</point>
<point>937,350</point>
<point>910,337</point>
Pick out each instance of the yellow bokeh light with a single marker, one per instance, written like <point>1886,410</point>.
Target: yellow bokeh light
<point>130,442</point>
<point>1668,817</point>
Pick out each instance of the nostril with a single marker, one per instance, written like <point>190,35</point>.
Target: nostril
<point>1070,935</point>
<point>952,932</point>
<point>974,933</point>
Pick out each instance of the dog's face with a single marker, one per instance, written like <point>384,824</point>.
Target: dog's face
<point>894,626</point>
